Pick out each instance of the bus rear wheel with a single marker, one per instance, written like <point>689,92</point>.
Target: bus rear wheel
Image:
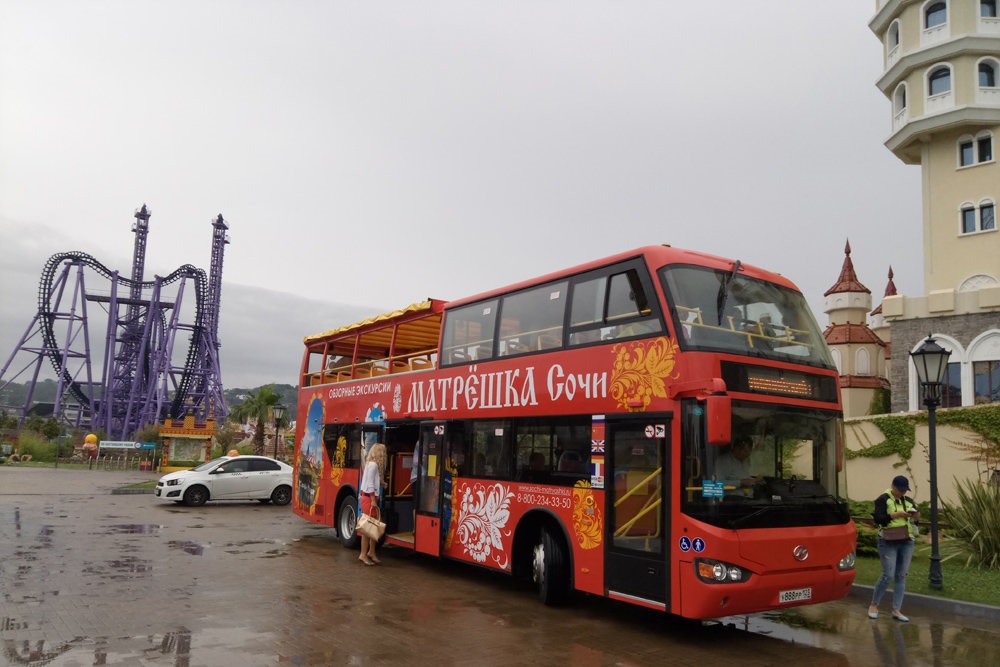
<point>347,520</point>
<point>548,568</point>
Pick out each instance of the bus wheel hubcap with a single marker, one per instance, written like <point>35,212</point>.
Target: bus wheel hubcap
<point>538,564</point>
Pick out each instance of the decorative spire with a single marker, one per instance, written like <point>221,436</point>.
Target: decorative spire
<point>890,290</point>
<point>848,281</point>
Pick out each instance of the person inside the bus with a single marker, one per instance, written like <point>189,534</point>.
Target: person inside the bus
<point>535,471</point>
<point>733,467</point>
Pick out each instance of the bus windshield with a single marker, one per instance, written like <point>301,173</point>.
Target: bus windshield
<point>780,470</point>
<point>729,312</point>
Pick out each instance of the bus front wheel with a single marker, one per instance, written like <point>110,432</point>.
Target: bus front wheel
<point>347,519</point>
<point>548,568</point>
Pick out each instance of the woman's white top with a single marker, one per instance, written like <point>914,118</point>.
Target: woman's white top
<point>371,480</point>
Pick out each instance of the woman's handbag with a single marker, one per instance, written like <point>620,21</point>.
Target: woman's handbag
<point>370,525</point>
<point>896,534</point>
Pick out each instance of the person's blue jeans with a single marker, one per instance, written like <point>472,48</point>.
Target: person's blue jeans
<point>895,558</point>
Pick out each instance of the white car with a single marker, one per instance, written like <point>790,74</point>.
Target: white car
<point>229,478</point>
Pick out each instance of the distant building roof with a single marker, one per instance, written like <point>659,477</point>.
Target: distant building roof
<point>842,334</point>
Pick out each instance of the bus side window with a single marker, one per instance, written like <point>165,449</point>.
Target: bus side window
<point>491,449</point>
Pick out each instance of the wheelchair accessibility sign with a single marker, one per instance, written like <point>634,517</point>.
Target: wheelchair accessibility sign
<point>687,544</point>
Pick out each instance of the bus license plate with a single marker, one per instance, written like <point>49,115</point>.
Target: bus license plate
<point>798,595</point>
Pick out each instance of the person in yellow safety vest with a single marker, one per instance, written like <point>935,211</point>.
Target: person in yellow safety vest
<point>895,515</point>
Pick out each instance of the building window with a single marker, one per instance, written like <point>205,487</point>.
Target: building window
<point>939,81</point>
<point>986,380</point>
<point>987,75</point>
<point>899,98</point>
<point>988,9</point>
<point>936,14</point>
<point>984,149</point>
<point>973,150</point>
<point>968,219</point>
<point>966,154</point>
<point>987,217</point>
<point>862,362</point>
<point>951,392</point>
<point>892,37</point>
<point>978,219</point>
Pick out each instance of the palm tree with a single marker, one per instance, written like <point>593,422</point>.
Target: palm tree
<point>257,408</point>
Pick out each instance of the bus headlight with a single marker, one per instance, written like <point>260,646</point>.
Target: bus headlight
<point>847,562</point>
<point>718,572</point>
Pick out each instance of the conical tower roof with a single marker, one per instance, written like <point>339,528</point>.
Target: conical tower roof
<point>848,281</point>
<point>890,290</point>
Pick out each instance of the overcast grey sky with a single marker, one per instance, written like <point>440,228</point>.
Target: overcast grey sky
<point>368,155</point>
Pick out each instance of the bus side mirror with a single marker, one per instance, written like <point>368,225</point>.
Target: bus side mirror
<point>718,419</point>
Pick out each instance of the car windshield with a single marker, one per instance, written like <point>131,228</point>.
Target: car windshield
<point>728,312</point>
<point>208,465</point>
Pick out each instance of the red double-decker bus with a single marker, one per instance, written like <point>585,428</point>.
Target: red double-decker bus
<point>660,427</point>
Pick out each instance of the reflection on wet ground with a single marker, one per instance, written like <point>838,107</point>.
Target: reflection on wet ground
<point>122,580</point>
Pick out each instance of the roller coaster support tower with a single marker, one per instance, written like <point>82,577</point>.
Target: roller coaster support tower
<point>140,383</point>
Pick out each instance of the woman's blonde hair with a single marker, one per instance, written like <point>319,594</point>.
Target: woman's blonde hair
<point>377,454</point>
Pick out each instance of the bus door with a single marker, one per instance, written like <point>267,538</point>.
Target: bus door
<point>637,459</point>
<point>430,472</point>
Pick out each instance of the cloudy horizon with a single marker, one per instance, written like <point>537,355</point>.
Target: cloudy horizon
<point>370,155</point>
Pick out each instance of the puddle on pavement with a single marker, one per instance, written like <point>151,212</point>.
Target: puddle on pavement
<point>134,529</point>
<point>187,547</point>
<point>275,553</point>
<point>214,646</point>
<point>128,567</point>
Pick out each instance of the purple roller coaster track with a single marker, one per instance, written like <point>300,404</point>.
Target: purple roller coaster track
<point>137,382</point>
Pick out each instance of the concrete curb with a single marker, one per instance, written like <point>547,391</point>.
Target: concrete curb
<point>129,492</point>
<point>948,606</point>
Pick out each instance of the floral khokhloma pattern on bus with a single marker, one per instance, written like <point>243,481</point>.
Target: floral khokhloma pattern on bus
<point>482,521</point>
<point>641,370</point>
<point>587,521</point>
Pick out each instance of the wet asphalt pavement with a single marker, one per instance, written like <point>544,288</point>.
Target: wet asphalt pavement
<point>88,577</point>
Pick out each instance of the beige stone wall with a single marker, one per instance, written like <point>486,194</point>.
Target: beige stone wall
<point>868,477</point>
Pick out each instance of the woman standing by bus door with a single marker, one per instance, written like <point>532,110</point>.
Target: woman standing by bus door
<point>371,484</point>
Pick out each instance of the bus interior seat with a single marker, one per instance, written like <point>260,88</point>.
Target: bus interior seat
<point>399,366</point>
<point>516,347</point>
<point>549,341</point>
<point>380,370</point>
<point>420,363</point>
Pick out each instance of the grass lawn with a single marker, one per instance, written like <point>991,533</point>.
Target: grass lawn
<point>968,584</point>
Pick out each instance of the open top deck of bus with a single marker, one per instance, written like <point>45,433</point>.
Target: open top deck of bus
<point>396,342</point>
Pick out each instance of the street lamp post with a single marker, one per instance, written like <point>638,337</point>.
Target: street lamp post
<point>278,410</point>
<point>931,362</point>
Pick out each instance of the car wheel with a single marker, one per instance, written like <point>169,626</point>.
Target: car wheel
<point>196,496</point>
<point>548,569</point>
<point>281,495</point>
<point>347,520</point>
